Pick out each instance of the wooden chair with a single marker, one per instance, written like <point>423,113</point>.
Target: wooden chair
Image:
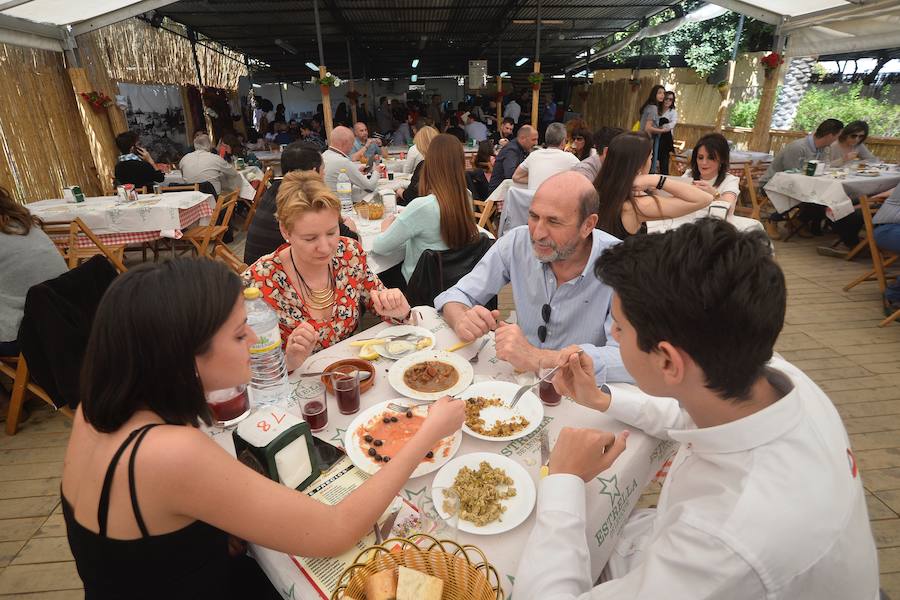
<point>679,145</point>
<point>193,187</point>
<point>880,258</point>
<point>484,210</point>
<point>16,368</point>
<point>750,186</point>
<point>201,236</point>
<point>253,204</point>
<point>678,164</point>
<point>223,253</point>
<point>72,232</point>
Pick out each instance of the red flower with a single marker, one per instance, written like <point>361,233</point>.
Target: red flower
<point>772,60</point>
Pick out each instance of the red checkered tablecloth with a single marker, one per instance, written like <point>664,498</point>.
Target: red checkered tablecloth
<point>186,216</point>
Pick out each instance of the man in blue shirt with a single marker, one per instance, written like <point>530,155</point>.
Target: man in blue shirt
<point>363,145</point>
<point>550,262</point>
<point>512,155</point>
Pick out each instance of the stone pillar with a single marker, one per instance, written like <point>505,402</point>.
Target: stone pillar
<point>796,82</point>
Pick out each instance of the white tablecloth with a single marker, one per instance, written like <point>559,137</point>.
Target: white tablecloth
<point>105,215</point>
<point>742,156</point>
<point>787,190</point>
<point>610,497</point>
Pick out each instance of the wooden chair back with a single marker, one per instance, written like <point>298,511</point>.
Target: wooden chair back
<point>193,187</point>
<point>201,236</point>
<point>750,188</point>
<point>16,369</point>
<point>679,145</point>
<point>678,164</point>
<point>880,258</point>
<point>71,233</point>
<point>263,186</point>
<point>484,210</point>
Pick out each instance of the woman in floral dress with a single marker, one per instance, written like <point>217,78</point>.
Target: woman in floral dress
<point>318,280</point>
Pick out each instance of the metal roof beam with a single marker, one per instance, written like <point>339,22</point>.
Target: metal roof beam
<point>126,12</point>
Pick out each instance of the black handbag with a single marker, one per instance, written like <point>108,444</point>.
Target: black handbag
<point>438,271</point>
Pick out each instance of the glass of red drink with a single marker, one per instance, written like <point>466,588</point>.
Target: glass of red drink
<point>230,406</point>
<point>549,395</point>
<point>315,411</point>
<point>346,388</point>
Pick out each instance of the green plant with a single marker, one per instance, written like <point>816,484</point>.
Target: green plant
<point>535,78</point>
<point>743,113</point>
<point>847,105</point>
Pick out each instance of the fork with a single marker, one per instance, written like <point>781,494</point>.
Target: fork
<point>521,391</point>
<point>474,359</point>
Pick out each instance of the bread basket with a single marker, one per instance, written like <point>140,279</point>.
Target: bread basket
<point>465,570</point>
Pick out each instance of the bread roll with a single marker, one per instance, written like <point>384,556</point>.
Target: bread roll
<point>382,586</point>
<point>414,585</point>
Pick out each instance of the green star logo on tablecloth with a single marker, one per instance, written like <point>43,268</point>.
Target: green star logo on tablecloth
<point>512,583</point>
<point>289,593</point>
<point>338,437</point>
<point>610,487</point>
<point>418,498</point>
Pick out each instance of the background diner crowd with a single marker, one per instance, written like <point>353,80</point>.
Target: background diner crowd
<point>760,501</point>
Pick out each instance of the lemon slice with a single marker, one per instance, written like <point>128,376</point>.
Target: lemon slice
<point>368,352</point>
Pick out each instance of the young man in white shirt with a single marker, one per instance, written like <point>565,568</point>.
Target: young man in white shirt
<point>546,162</point>
<point>763,499</point>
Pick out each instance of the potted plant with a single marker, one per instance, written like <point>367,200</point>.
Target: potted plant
<point>723,87</point>
<point>326,82</point>
<point>535,79</point>
<point>97,100</point>
<point>771,62</point>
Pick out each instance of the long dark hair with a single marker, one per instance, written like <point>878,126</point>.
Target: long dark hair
<point>444,175</point>
<point>15,219</point>
<point>585,133</point>
<point>147,332</point>
<point>854,127</point>
<point>485,152</point>
<point>651,99</point>
<point>626,155</point>
<point>717,147</point>
<point>672,94</point>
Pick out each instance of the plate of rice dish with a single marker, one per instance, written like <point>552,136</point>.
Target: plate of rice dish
<point>496,493</point>
<point>489,417</point>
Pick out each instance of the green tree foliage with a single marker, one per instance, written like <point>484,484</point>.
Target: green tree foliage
<point>743,114</point>
<point>704,46</point>
<point>819,104</point>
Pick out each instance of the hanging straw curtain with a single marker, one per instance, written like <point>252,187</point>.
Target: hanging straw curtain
<point>43,146</point>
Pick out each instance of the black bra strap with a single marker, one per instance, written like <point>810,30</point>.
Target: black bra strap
<point>131,487</point>
<point>103,506</point>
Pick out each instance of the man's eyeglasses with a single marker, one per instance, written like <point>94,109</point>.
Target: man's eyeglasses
<point>542,330</point>
<point>857,135</point>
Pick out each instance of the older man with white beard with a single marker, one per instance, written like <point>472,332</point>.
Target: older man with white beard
<point>559,303</point>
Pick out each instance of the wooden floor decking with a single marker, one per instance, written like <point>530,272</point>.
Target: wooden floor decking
<point>831,334</point>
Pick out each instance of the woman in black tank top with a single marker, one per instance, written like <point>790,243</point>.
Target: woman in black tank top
<point>147,498</point>
<point>629,196</point>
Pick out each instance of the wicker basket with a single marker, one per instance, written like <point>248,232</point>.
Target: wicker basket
<point>465,570</point>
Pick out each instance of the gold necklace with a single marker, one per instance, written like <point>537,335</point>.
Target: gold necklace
<point>316,299</point>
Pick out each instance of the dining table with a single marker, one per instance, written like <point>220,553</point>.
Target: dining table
<point>611,496</point>
<point>247,174</point>
<point>835,190</point>
<point>150,217</point>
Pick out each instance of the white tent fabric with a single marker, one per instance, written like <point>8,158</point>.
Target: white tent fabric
<point>62,12</point>
<point>869,32</point>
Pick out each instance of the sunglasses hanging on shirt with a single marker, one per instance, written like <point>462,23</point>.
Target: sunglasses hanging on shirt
<point>542,330</point>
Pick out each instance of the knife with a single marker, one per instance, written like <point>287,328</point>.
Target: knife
<point>545,452</point>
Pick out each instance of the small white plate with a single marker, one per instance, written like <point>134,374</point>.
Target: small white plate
<point>529,406</point>
<point>402,330</point>
<point>463,367</point>
<point>363,462</point>
<point>517,508</point>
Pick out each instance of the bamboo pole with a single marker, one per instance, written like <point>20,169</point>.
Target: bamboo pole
<point>759,139</point>
<point>101,138</point>
<point>726,97</point>
<point>326,104</point>
<point>535,97</point>
<point>499,102</point>
<point>353,102</point>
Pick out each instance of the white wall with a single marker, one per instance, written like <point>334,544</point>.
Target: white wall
<point>302,102</point>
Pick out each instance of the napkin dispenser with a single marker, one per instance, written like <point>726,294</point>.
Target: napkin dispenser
<point>279,445</point>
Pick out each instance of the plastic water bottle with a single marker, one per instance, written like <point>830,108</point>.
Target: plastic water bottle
<point>268,373</point>
<point>345,192</point>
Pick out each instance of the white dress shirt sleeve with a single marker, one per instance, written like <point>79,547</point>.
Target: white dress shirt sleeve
<point>485,280</point>
<point>651,414</point>
<point>682,563</point>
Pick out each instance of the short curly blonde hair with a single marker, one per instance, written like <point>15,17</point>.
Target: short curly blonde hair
<point>302,192</point>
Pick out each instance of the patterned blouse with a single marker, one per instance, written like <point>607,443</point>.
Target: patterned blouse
<point>354,281</point>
